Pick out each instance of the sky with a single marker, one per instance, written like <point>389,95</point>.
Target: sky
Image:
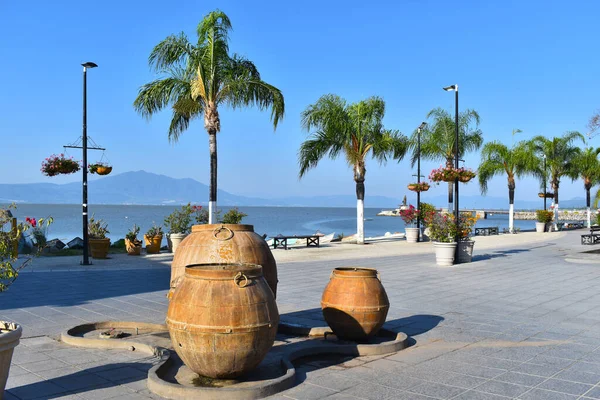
<point>530,65</point>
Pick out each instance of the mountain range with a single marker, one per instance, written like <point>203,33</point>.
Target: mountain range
<point>145,188</point>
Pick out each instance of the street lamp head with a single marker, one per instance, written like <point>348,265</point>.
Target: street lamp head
<point>89,64</point>
<point>451,88</point>
<point>423,125</point>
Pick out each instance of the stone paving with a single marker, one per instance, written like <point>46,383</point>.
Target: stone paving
<point>520,322</point>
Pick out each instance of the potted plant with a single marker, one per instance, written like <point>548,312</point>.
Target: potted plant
<point>233,216</point>
<point>100,168</point>
<point>10,332</point>
<point>443,234</point>
<point>178,225</point>
<point>465,175</point>
<point>409,216</point>
<point>418,187</point>
<point>465,244</point>
<point>544,217</point>
<point>153,239</point>
<point>98,242</point>
<point>426,212</point>
<point>132,244</point>
<point>445,174</point>
<point>59,164</point>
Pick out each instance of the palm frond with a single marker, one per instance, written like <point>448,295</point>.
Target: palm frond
<point>173,51</point>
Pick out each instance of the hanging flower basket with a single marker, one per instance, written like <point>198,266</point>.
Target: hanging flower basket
<point>100,169</point>
<point>419,187</point>
<point>465,175</point>
<point>443,174</point>
<point>59,164</point>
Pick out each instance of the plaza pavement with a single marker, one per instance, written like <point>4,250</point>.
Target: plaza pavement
<point>521,321</point>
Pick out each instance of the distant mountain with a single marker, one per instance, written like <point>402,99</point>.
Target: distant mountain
<point>141,187</point>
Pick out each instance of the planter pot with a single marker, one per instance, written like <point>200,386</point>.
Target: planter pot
<point>549,227</point>
<point>133,249</point>
<point>465,251</point>
<point>222,319</point>
<point>104,170</point>
<point>354,303</point>
<point>540,227</point>
<point>176,239</point>
<point>99,247</point>
<point>464,179</point>
<point>153,244</point>
<point>412,235</point>
<point>412,187</point>
<point>169,243</point>
<point>224,243</point>
<point>9,339</point>
<point>444,253</point>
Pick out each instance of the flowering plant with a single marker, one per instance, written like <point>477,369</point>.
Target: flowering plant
<point>93,168</point>
<point>446,174</point>
<point>419,187</point>
<point>466,223</point>
<point>426,212</point>
<point>443,227</point>
<point>59,164</point>
<point>409,215</point>
<point>465,174</point>
<point>180,221</point>
<point>200,215</point>
<point>544,216</point>
<point>9,270</point>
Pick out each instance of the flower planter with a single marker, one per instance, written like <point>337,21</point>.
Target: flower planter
<point>153,244</point>
<point>412,187</point>
<point>449,179</point>
<point>465,251</point>
<point>176,239</point>
<point>412,235</point>
<point>425,234</point>
<point>444,253</point>
<point>133,249</point>
<point>102,170</point>
<point>540,227</point>
<point>465,179</point>
<point>9,339</point>
<point>99,247</point>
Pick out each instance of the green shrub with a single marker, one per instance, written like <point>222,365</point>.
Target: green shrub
<point>544,216</point>
<point>233,216</point>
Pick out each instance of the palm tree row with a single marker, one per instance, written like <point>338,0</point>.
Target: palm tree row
<point>198,78</point>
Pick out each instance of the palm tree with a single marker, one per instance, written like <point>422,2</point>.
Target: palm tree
<point>354,129</point>
<point>498,159</point>
<point>588,167</point>
<point>438,137</point>
<point>561,154</point>
<point>198,78</point>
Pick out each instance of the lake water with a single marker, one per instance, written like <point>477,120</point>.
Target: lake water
<point>270,220</point>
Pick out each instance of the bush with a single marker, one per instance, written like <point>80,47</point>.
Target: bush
<point>180,221</point>
<point>426,211</point>
<point>443,228</point>
<point>233,216</point>
<point>544,216</point>
<point>409,216</point>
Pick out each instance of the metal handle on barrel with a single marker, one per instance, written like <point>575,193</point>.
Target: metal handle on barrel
<point>238,280</point>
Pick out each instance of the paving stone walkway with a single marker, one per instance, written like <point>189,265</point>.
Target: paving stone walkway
<point>520,322</point>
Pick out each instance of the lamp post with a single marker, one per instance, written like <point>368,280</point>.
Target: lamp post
<point>543,155</point>
<point>456,159</point>
<point>86,260</point>
<point>419,129</point>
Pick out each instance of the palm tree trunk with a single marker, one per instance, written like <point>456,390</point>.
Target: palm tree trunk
<point>511,205</point>
<point>360,211</point>
<point>587,202</point>
<point>555,189</point>
<point>212,199</point>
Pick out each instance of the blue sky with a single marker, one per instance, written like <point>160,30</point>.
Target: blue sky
<point>521,64</point>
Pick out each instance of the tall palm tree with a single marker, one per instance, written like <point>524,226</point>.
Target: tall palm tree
<point>438,137</point>
<point>198,78</point>
<point>354,129</point>
<point>561,154</point>
<point>498,159</point>
<point>588,168</point>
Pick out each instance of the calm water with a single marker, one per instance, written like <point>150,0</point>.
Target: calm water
<point>270,220</point>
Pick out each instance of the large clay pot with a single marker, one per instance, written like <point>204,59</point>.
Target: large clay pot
<point>444,253</point>
<point>176,239</point>
<point>354,303</point>
<point>99,247</point>
<point>540,227</point>
<point>153,243</point>
<point>9,339</point>
<point>224,243</point>
<point>222,319</point>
